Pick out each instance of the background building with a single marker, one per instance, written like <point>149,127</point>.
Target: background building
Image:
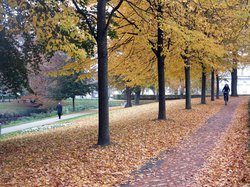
<point>243,86</point>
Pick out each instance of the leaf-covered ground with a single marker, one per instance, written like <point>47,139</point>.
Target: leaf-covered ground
<point>177,167</point>
<point>229,163</point>
<point>67,157</point>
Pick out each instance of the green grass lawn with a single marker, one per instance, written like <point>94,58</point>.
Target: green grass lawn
<point>27,119</point>
<point>81,104</point>
<point>86,104</point>
<point>61,123</point>
<point>15,108</point>
<point>21,109</point>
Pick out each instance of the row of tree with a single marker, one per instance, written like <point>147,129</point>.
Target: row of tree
<point>149,42</point>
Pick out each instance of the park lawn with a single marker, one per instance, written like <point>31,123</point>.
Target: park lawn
<point>86,104</point>
<point>15,108</point>
<point>30,114</point>
<point>67,157</point>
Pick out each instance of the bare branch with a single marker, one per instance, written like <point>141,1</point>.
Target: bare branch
<point>153,46</point>
<point>137,9</point>
<point>130,22</point>
<point>117,46</point>
<point>84,14</point>
<point>112,13</point>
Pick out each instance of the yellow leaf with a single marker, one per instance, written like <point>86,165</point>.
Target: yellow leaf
<point>34,20</point>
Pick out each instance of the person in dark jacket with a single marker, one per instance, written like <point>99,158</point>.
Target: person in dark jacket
<point>226,91</point>
<point>59,110</point>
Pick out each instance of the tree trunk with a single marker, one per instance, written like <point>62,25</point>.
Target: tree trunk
<point>128,97</point>
<point>203,85</point>
<point>182,92</point>
<point>188,83</point>
<point>103,133</point>
<point>157,95</point>
<point>212,85</point>
<point>73,104</point>
<point>234,77</point>
<point>217,87</point>
<point>137,96</point>
<point>161,70</point>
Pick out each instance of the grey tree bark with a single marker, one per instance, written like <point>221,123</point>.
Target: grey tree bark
<point>103,133</point>
<point>137,95</point>
<point>212,85</point>
<point>128,97</point>
<point>161,69</point>
<point>217,86</point>
<point>203,85</point>
<point>234,82</point>
<point>188,83</point>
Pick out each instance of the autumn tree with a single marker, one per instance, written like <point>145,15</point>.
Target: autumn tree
<point>237,43</point>
<point>211,30</point>
<point>70,87</point>
<point>203,85</point>
<point>196,44</point>
<point>100,35</point>
<point>184,38</point>
<point>13,73</point>
<point>139,18</point>
<point>137,91</point>
<point>18,49</point>
<point>64,25</point>
<point>199,31</point>
<point>230,20</point>
<point>217,86</point>
<point>128,71</point>
<point>212,85</point>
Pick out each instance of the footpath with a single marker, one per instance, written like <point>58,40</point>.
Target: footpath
<point>44,122</point>
<point>178,167</point>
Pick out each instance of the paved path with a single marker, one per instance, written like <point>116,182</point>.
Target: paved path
<point>44,122</point>
<point>177,167</point>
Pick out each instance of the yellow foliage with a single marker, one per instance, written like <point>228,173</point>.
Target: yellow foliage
<point>131,54</point>
<point>205,28</point>
<point>204,31</point>
<point>58,31</point>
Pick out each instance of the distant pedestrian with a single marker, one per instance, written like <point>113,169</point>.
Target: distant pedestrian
<point>226,91</point>
<point>59,110</point>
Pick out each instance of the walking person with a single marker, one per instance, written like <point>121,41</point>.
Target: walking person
<point>59,110</point>
<point>226,91</point>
